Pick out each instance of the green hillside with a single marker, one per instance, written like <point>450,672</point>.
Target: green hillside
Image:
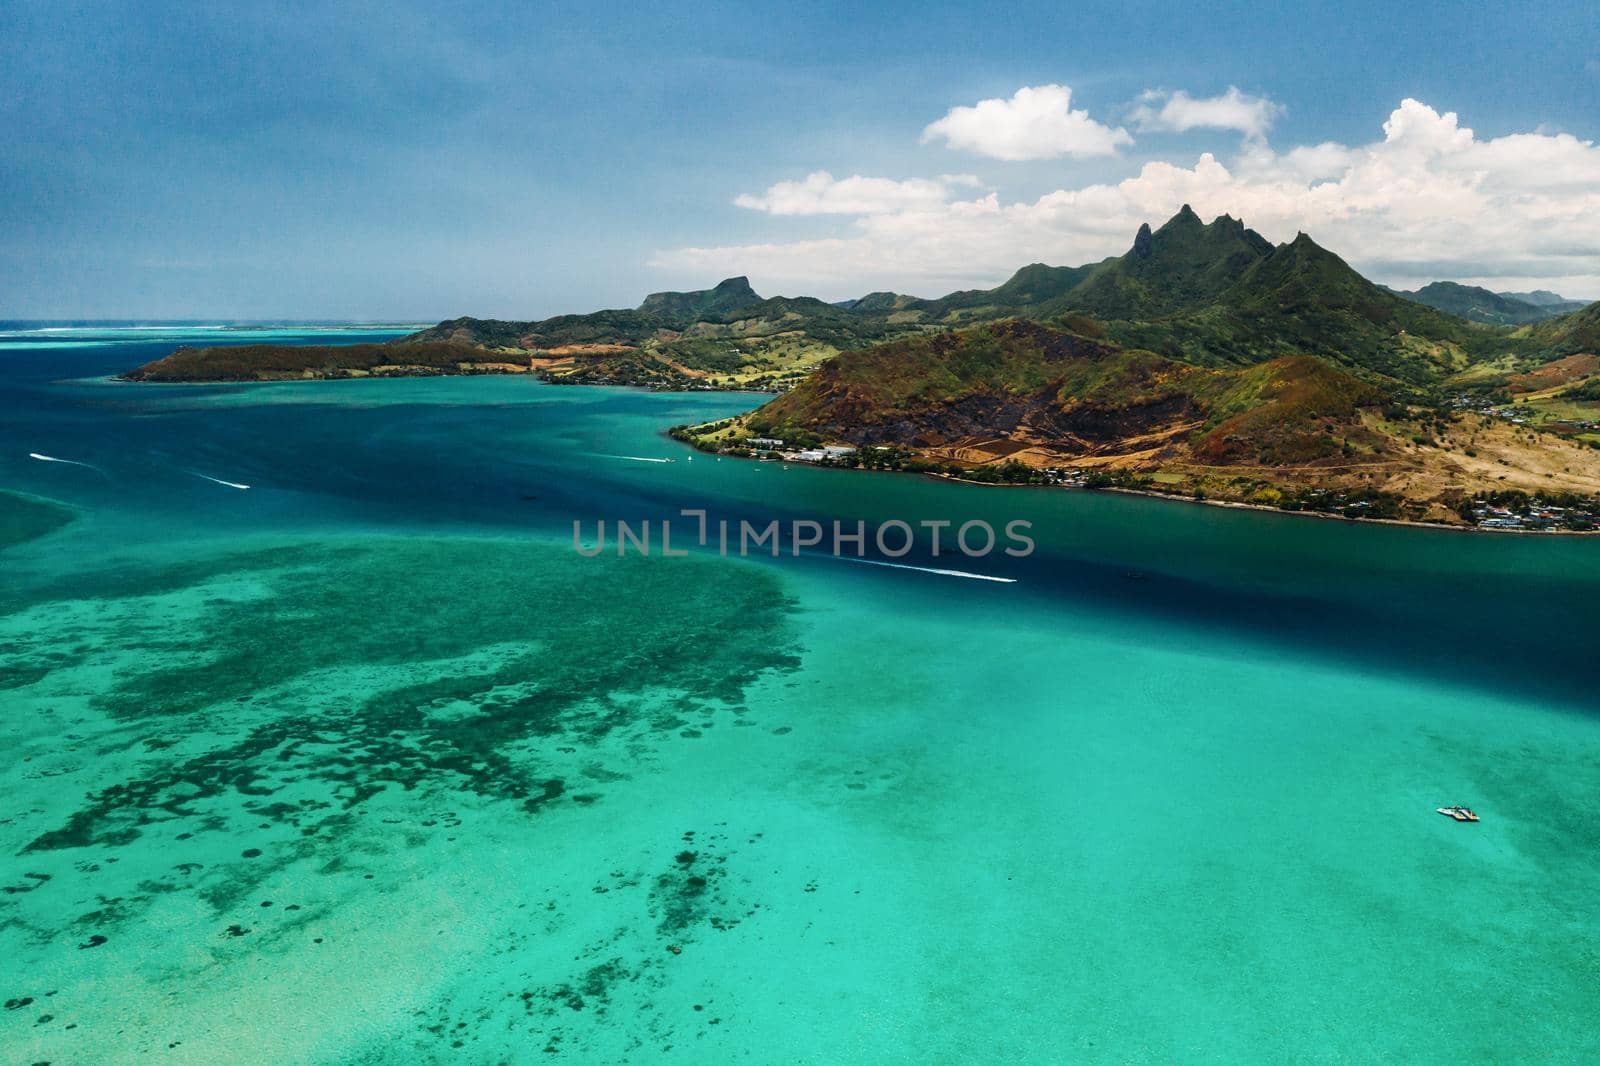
<point>1020,402</point>
<point>1070,395</point>
<point>1220,294</point>
<point>269,362</point>
<point>1303,299</point>
<point>1183,266</point>
<point>1477,304</point>
<point>1547,299</point>
<point>727,334</point>
<point>683,308</point>
<point>1572,334</point>
<point>1208,294</point>
<point>1205,360</point>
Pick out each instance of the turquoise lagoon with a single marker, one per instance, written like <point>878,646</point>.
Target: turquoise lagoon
<point>366,764</point>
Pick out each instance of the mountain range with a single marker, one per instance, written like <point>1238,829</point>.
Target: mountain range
<point>1205,357</point>
<point>1476,304</point>
<point>1208,362</point>
<point>1216,294</point>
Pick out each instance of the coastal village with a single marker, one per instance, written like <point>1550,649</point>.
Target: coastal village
<point>1535,515</point>
<point>1521,415</point>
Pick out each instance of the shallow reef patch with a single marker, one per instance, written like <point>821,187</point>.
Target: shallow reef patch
<point>265,698</point>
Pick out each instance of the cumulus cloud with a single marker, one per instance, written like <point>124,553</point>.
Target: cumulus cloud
<point>820,193</point>
<point>1428,199</point>
<point>1179,112</point>
<point>1036,123</point>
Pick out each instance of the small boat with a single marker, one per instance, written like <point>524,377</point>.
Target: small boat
<point>1460,814</point>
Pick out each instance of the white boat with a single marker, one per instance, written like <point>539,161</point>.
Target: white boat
<point>1460,814</point>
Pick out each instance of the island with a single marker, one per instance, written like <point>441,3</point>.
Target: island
<point>1205,362</point>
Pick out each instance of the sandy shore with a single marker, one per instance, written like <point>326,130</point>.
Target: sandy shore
<point>1234,504</point>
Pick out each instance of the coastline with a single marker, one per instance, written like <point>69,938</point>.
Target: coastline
<point>124,379</point>
<point>485,370</point>
<point>1240,505</point>
<point>476,371</point>
<point>1175,498</point>
<point>1172,497</point>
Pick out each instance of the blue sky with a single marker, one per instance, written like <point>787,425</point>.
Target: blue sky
<point>423,161</point>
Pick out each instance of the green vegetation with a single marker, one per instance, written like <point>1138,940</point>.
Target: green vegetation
<point>1183,266</point>
<point>724,337</point>
<point>1028,380</point>
<point>265,362</point>
<point>1477,304</point>
<point>1567,335</point>
<point>732,295</point>
<point>1204,362</point>
<point>1298,299</point>
<point>1585,392</point>
<point>1020,402</point>
<point>1211,295</point>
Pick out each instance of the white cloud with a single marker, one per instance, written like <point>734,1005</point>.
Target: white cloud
<point>1179,112</point>
<point>823,194</point>
<point>1036,123</point>
<point>1427,200</point>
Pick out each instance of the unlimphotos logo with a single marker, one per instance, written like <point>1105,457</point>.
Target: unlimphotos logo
<point>894,539</point>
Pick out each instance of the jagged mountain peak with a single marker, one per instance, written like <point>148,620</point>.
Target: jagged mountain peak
<point>1183,264</point>
<point>1143,242</point>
